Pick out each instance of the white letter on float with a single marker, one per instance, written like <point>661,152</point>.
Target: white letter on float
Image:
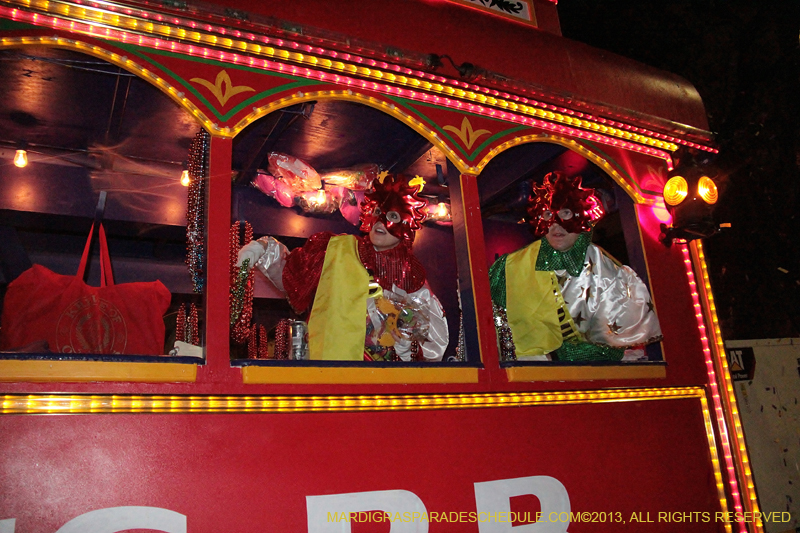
<point>390,501</point>
<point>8,525</point>
<point>494,497</point>
<point>115,519</point>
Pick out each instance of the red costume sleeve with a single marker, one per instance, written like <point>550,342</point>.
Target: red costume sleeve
<point>302,271</point>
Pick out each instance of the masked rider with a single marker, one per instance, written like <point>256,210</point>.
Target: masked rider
<point>563,298</point>
<point>367,296</point>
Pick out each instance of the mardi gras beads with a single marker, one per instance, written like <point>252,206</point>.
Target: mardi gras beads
<point>195,209</point>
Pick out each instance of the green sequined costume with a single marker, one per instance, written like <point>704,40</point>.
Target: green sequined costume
<point>549,259</point>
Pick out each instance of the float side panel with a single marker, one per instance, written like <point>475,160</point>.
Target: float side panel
<point>252,472</point>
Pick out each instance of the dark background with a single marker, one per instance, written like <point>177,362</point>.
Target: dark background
<point>743,57</point>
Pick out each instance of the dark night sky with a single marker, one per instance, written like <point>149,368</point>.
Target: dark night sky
<point>743,56</point>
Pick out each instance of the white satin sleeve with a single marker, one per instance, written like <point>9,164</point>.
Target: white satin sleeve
<point>272,261</point>
<point>610,303</point>
<point>625,315</point>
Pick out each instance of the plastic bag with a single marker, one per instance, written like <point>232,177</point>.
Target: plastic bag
<point>357,178</point>
<point>296,173</point>
<point>394,317</point>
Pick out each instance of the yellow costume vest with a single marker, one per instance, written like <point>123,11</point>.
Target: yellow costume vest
<point>337,324</point>
<point>533,302</point>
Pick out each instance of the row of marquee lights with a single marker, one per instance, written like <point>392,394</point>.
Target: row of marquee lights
<point>722,424</point>
<point>93,403</point>
<point>524,112</point>
<point>723,499</point>
<point>724,373</point>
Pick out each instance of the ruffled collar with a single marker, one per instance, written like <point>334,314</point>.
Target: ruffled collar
<point>396,266</point>
<point>571,260</point>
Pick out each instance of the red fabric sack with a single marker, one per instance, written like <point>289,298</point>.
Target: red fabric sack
<point>74,317</point>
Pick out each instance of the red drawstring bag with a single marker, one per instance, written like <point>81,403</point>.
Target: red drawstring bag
<point>74,317</point>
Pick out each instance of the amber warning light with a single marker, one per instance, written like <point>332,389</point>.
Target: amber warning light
<point>690,195</point>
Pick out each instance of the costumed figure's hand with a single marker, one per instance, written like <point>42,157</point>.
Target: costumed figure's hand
<point>402,348</point>
<point>252,251</point>
<point>269,256</point>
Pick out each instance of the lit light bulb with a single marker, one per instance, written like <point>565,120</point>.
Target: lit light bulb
<point>21,158</point>
<point>441,210</point>
<point>185,179</point>
<point>676,190</point>
<point>321,197</point>
<point>707,190</point>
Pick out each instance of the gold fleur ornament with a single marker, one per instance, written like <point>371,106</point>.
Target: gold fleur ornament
<point>223,87</point>
<point>467,135</point>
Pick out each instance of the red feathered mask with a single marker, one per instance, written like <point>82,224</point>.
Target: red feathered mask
<point>395,203</point>
<point>561,200</point>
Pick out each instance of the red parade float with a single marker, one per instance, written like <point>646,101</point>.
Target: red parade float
<point>285,116</point>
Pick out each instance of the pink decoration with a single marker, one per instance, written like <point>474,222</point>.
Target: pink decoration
<point>274,188</point>
<point>350,207</point>
<point>284,193</point>
<point>298,174</point>
<point>264,183</point>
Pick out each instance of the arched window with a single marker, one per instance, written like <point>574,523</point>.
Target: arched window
<point>600,312</point>
<point>91,127</point>
<point>351,146</point>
